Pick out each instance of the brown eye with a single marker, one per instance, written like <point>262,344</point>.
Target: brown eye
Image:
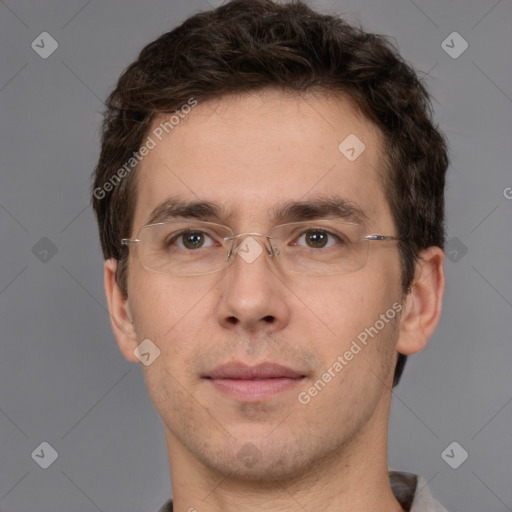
<point>316,239</point>
<point>193,240</point>
<point>190,240</point>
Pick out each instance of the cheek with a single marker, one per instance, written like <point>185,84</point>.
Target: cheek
<point>171,313</point>
<point>172,316</point>
<point>344,305</point>
<point>343,317</point>
<point>358,348</point>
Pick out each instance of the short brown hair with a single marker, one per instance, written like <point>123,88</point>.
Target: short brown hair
<point>248,45</point>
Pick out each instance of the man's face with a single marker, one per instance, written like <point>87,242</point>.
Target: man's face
<point>251,155</point>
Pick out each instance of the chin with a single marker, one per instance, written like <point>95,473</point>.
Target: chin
<point>260,462</point>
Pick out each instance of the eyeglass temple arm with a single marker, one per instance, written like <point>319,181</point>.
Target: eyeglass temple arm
<point>128,241</point>
<point>381,237</point>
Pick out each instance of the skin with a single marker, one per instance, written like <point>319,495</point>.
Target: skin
<point>250,154</point>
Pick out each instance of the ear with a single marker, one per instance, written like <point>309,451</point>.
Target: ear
<point>120,314</point>
<point>422,309</point>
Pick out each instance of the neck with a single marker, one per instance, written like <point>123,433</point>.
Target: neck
<point>354,478</point>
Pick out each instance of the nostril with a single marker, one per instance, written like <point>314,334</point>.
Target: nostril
<point>269,319</point>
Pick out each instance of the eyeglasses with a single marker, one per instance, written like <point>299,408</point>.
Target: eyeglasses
<point>192,248</point>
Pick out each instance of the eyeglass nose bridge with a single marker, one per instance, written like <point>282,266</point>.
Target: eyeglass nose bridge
<point>233,250</point>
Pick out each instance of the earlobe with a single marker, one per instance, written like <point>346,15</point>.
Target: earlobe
<point>120,315</point>
<point>422,308</point>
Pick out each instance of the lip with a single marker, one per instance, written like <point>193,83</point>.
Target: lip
<point>253,383</point>
<point>261,371</point>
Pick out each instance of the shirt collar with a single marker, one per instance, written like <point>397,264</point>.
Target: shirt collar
<point>410,490</point>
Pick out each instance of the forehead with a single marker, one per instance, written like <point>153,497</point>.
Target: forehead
<point>253,153</point>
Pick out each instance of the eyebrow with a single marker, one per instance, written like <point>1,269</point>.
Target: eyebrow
<point>322,207</point>
<point>175,207</point>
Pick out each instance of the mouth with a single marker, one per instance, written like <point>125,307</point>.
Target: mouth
<point>253,383</point>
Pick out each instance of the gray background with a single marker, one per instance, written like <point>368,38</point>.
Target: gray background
<point>62,377</point>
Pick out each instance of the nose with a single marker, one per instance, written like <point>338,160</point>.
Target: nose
<point>253,296</point>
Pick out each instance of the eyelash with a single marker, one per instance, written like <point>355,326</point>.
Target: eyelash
<point>330,234</point>
<point>180,236</point>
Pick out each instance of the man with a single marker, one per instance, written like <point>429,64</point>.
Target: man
<point>270,202</point>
